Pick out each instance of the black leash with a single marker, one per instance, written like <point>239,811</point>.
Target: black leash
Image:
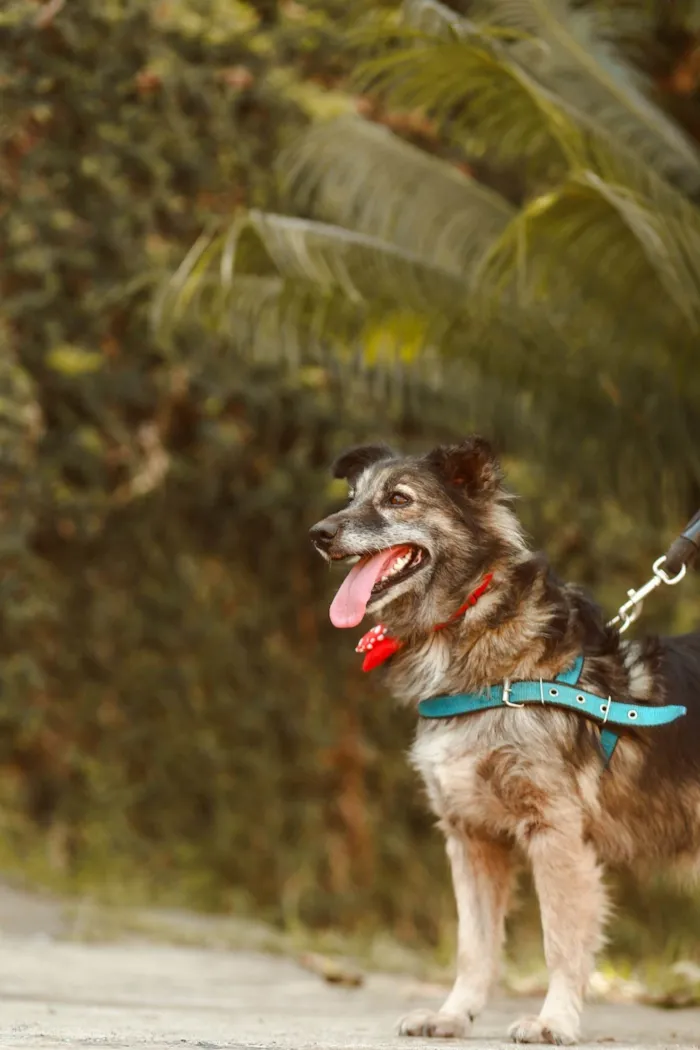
<point>685,549</point>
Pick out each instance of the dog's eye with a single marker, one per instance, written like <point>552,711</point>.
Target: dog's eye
<point>398,499</point>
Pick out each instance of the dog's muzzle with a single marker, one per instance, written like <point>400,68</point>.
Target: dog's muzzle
<point>322,535</point>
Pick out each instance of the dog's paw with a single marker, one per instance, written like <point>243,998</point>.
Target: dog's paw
<point>435,1025</point>
<point>540,1030</point>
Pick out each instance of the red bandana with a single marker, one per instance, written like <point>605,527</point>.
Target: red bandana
<point>378,646</point>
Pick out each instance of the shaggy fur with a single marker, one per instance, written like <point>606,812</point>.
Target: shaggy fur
<point>507,784</point>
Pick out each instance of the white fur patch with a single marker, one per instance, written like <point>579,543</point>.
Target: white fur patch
<point>640,679</point>
<point>506,525</point>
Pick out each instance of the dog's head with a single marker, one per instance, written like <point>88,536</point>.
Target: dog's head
<point>419,529</point>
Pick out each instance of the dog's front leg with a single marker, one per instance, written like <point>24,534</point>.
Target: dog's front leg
<point>572,899</point>
<point>481,874</point>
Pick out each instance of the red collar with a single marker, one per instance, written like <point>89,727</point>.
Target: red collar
<point>378,646</point>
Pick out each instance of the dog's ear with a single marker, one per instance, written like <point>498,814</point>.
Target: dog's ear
<point>351,463</point>
<point>471,466</point>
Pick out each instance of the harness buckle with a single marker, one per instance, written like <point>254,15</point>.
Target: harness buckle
<point>507,689</point>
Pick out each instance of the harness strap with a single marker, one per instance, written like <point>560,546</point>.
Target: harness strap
<point>563,692</point>
<point>608,743</point>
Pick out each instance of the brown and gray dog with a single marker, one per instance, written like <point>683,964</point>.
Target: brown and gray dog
<point>513,784</point>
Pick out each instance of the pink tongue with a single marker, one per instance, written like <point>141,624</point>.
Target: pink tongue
<point>349,605</point>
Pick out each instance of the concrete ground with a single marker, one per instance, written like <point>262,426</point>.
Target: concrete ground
<point>61,993</point>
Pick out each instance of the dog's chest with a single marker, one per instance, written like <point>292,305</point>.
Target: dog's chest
<point>455,788</point>
<point>478,774</point>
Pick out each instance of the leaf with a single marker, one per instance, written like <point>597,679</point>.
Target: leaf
<point>73,361</point>
<point>516,120</point>
<point>333,971</point>
<point>569,55</point>
<point>361,176</point>
<point>589,234</point>
<point>359,266</point>
<point>487,102</point>
<point>436,20</point>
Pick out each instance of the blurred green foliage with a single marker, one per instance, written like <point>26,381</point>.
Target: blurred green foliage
<point>176,709</point>
<point>171,701</point>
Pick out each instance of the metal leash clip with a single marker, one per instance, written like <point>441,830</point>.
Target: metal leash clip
<point>631,609</point>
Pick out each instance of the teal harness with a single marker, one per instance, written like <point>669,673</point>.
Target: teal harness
<point>562,692</point>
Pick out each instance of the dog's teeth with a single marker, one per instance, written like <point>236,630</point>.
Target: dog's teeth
<point>399,564</point>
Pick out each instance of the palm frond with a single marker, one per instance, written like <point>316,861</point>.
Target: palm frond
<point>478,97</point>
<point>474,375</point>
<point>570,55</point>
<point>424,288</point>
<point>602,257</point>
<point>360,175</point>
<point>349,296</point>
<point>363,177</point>
<point>436,20</point>
<point>362,266</point>
<point>267,275</point>
<point>396,356</point>
<point>492,104</point>
<point>335,262</point>
<point>593,268</point>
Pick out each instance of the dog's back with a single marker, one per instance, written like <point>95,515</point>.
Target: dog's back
<point>674,750</point>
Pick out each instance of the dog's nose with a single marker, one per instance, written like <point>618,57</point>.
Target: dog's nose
<point>323,534</point>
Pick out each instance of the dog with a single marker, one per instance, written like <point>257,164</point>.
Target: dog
<point>425,533</point>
